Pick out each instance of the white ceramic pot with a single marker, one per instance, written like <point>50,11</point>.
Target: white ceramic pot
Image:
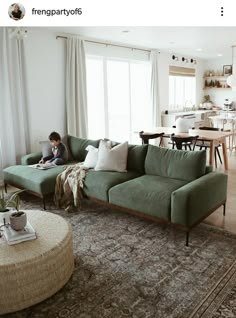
<point>5,216</point>
<point>18,220</point>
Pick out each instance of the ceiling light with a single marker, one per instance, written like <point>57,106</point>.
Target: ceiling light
<point>175,58</point>
<point>219,54</point>
<point>231,80</point>
<point>184,60</point>
<point>199,50</point>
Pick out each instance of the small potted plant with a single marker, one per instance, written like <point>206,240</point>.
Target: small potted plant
<point>207,103</point>
<point>5,203</point>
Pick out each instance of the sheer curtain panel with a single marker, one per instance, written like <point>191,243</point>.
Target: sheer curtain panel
<point>156,111</point>
<point>14,134</point>
<point>76,93</point>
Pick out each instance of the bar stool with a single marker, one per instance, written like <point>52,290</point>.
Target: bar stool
<point>145,136</point>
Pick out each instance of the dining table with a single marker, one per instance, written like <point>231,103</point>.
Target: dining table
<point>213,137</point>
<point>226,120</point>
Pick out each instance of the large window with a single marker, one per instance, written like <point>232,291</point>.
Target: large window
<point>118,98</point>
<point>182,87</point>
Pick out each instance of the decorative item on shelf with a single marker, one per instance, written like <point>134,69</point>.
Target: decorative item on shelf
<point>231,80</point>
<point>227,70</point>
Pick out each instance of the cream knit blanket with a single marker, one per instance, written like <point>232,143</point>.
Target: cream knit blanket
<point>68,186</point>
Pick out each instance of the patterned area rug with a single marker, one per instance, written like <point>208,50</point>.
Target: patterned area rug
<point>130,267</point>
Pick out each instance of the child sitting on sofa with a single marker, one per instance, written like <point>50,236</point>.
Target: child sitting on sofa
<point>59,154</point>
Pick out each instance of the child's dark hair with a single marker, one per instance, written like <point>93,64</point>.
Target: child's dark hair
<point>54,136</point>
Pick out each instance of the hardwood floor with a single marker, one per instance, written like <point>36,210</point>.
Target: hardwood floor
<point>229,221</point>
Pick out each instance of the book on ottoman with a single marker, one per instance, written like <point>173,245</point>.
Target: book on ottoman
<point>14,237</point>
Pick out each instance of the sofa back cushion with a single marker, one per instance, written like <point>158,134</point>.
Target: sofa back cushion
<point>176,164</point>
<point>136,158</point>
<point>77,147</point>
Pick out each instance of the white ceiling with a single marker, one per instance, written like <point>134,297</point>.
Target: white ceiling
<point>179,40</point>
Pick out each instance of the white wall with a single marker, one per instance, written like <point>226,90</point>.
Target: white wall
<point>218,95</point>
<point>165,60</point>
<point>45,62</point>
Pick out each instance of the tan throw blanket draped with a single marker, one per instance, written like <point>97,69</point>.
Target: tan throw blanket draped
<point>68,187</point>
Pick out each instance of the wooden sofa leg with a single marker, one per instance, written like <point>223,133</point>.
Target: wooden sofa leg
<point>224,208</point>
<point>5,186</point>
<point>187,238</point>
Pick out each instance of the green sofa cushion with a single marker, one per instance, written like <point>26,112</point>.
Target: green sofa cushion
<point>147,194</point>
<point>38,181</point>
<point>176,164</point>
<point>77,147</point>
<point>98,183</point>
<point>136,158</point>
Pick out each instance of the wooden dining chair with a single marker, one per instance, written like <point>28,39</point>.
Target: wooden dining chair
<point>147,136</point>
<point>204,144</point>
<point>185,142</point>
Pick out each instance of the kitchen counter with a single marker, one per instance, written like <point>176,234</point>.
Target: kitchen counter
<point>189,112</point>
<point>199,117</point>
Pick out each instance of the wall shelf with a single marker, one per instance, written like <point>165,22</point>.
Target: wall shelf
<point>207,88</point>
<point>215,82</point>
<point>215,76</point>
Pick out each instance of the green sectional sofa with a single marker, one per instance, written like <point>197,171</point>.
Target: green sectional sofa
<point>161,184</point>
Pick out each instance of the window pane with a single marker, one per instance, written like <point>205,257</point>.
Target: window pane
<point>95,95</point>
<point>141,113</point>
<point>182,91</point>
<point>118,100</point>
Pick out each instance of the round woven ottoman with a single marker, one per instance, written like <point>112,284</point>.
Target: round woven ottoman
<point>34,270</point>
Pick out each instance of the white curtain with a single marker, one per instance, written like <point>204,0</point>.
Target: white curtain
<point>76,91</point>
<point>156,111</point>
<point>14,135</point>
<point>1,167</point>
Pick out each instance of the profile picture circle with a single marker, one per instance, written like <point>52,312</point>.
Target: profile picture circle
<point>16,11</point>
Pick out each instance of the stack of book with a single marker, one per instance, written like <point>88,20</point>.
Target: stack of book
<point>15,237</point>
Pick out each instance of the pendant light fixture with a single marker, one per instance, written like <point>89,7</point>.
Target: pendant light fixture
<point>231,80</point>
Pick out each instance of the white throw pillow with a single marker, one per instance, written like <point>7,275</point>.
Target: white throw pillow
<point>112,159</point>
<point>91,158</point>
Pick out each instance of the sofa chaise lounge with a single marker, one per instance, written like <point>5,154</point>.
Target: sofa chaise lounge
<point>161,184</point>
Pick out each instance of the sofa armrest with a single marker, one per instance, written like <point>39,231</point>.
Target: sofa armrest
<point>31,158</point>
<point>197,199</point>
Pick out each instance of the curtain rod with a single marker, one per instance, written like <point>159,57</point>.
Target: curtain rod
<point>97,42</point>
